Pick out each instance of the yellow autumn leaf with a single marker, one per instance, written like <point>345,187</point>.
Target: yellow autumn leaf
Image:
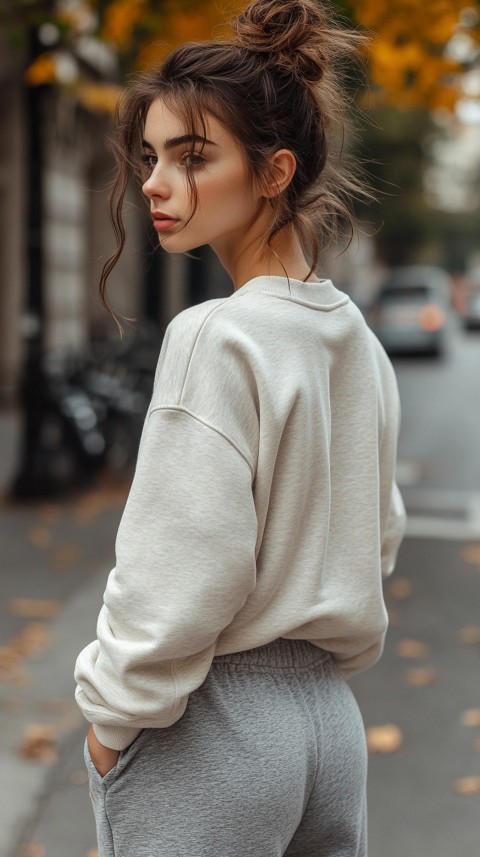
<point>31,641</point>
<point>384,739</point>
<point>467,786</point>
<point>42,71</point>
<point>470,717</point>
<point>39,537</point>
<point>120,19</point>
<point>98,97</point>
<point>50,513</point>
<point>408,64</point>
<point>39,743</point>
<point>421,676</point>
<point>64,555</point>
<point>33,608</point>
<point>32,849</point>
<point>400,588</point>
<point>412,649</point>
<point>393,616</point>
<point>469,635</point>
<point>471,554</point>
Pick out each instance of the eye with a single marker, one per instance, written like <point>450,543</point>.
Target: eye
<point>149,162</point>
<point>192,159</point>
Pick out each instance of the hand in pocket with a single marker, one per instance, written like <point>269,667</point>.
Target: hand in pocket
<point>104,758</point>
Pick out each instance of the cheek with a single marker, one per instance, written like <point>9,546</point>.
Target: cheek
<point>225,194</point>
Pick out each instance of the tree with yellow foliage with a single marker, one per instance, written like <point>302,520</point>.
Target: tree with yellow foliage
<point>419,51</point>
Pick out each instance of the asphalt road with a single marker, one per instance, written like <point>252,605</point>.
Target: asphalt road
<point>424,795</point>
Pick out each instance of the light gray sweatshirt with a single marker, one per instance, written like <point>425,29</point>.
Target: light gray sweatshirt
<point>263,504</point>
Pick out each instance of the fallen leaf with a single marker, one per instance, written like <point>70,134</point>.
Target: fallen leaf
<point>31,641</point>
<point>400,588</point>
<point>10,668</point>
<point>65,711</point>
<point>64,555</point>
<point>13,703</point>
<point>39,537</point>
<point>469,635</point>
<point>393,616</point>
<point>49,513</point>
<point>421,676</point>
<point>95,502</point>
<point>32,849</point>
<point>384,739</point>
<point>467,786</point>
<point>412,649</point>
<point>39,743</point>
<point>56,705</point>
<point>471,554</point>
<point>33,608</point>
<point>470,717</point>
<point>79,778</point>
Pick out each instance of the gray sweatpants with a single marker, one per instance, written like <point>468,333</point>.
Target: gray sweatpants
<point>269,759</point>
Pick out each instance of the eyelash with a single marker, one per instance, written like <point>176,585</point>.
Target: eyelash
<point>200,160</point>
<point>147,161</point>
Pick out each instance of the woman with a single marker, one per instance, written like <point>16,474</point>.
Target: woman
<point>264,511</point>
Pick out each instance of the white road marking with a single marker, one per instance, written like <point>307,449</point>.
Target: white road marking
<point>459,521</point>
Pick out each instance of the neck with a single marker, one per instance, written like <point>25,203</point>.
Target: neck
<point>248,258</point>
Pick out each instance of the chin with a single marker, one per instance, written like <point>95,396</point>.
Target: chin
<point>172,246</point>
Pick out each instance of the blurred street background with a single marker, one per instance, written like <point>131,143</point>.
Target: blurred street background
<point>73,394</point>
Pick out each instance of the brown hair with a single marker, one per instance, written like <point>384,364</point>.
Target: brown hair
<point>276,85</point>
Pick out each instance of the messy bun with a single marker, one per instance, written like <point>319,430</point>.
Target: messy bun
<point>291,34</point>
<point>277,84</point>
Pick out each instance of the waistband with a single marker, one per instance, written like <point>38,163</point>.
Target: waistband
<point>279,654</point>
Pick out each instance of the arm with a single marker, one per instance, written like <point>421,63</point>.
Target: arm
<point>394,531</point>
<point>392,510</point>
<point>185,565</point>
<point>102,757</point>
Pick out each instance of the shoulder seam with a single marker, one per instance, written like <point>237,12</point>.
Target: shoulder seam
<point>195,342</point>
<point>209,425</point>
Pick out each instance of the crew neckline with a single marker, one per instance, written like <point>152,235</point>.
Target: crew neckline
<point>315,293</point>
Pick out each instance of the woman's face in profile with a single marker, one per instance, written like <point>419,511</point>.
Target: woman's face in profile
<point>228,201</point>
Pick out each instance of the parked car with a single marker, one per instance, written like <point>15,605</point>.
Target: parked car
<point>471,316</point>
<point>409,314</point>
<point>471,307</point>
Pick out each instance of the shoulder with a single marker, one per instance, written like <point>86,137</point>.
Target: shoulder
<point>188,323</point>
<point>207,332</point>
<point>203,346</point>
<point>220,317</point>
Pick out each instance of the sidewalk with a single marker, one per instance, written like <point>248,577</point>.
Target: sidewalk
<point>55,559</point>
<point>422,699</point>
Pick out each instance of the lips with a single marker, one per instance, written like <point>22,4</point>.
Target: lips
<point>163,221</point>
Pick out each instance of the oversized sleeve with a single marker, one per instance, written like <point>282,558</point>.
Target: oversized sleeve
<point>393,517</point>
<point>185,565</point>
<point>394,530</point>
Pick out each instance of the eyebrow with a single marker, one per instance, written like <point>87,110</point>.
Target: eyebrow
<point>180,141</point>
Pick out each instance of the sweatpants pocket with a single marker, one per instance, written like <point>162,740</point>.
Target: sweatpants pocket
<point>98,789</point>
<point>92,771</point>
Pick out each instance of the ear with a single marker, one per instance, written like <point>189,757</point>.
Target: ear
<point>283,165</point>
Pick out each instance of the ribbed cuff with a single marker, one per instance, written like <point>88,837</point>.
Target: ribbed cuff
<point>115,737</point>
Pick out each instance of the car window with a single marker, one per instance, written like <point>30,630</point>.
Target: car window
<point>405,292</point>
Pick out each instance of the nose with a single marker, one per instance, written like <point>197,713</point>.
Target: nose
<point>156,185</point>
